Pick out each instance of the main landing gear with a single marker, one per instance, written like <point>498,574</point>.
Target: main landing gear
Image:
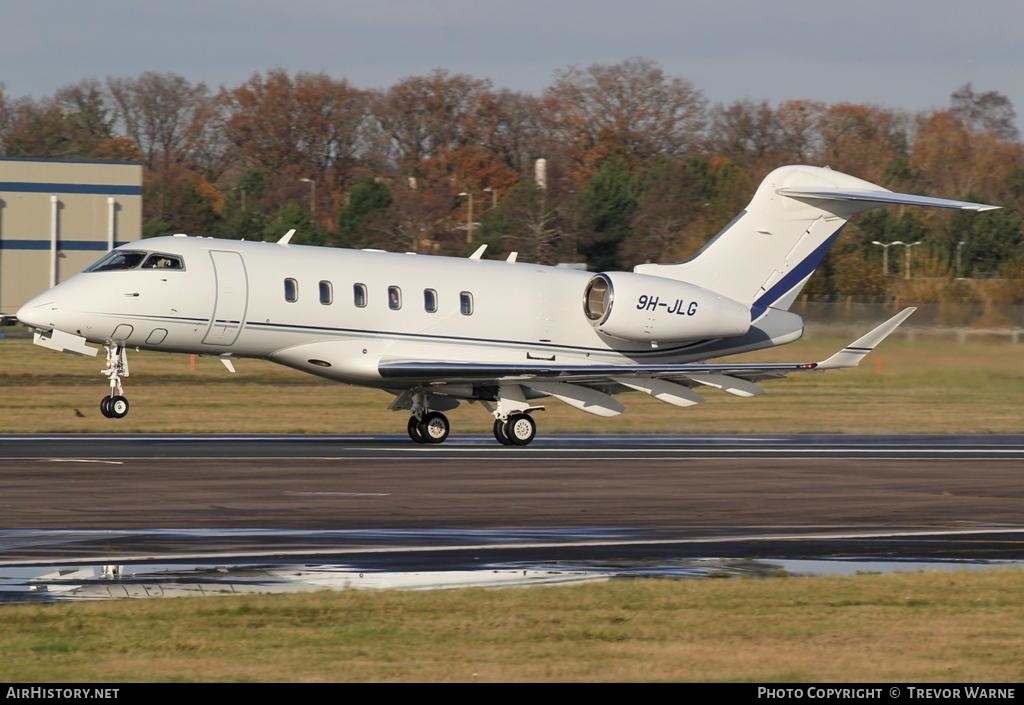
<point>517,430</point>
<point>115,405</point>
<point>426,426</point>
<point>513,422</point>
<point>431,427</point>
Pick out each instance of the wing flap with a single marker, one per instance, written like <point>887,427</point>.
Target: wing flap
<point>582,398</point>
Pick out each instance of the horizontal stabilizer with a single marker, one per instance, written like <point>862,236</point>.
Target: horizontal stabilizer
<point>882,196</point>
<point>852,354</point>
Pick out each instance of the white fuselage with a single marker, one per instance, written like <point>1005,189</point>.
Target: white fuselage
<point>231,298</point>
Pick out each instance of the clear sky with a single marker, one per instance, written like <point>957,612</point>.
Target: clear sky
<point>898,53</point>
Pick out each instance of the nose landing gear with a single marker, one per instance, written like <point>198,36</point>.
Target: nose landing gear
<point>115,405</point>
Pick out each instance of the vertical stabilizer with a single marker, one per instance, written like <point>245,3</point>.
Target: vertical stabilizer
<point>767,253</point>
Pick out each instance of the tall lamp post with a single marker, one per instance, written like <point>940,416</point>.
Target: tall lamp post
<point>494,196</point>
<point>885,254</point>
<point>469,217</point>
<point>908,245</point>
<point>959,259</point>
<point>312,197</point>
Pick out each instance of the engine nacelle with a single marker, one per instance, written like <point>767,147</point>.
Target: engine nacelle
<point>640,307</point>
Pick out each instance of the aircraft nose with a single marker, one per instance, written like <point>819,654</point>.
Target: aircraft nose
<point>35,313</point>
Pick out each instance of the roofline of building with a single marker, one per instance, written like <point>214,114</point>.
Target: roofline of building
<point>60,160</point>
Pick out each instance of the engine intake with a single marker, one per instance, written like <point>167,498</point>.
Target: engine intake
<point>639,307</point>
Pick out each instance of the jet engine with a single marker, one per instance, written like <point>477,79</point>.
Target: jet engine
<point>639,307</point>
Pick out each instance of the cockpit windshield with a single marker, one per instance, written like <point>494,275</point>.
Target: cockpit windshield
<point>128,259</point>
<point>118,259</point>
<point>160,261</point>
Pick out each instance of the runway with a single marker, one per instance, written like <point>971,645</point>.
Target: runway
<point>635,503</point>
<point>552,447</point>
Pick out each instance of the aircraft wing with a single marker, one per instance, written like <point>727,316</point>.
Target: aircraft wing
<point>735,377</point>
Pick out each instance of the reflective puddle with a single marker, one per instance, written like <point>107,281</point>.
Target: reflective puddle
<point>127,581</point>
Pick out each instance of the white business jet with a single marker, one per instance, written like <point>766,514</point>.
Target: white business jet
<point>435,331</point>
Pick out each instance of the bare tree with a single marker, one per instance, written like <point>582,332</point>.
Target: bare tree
<point>631,107</point>
<point>744,130</point>
<point>984,112</point>
<point>306,125</point>
<point>157,110</point>
<point>422,116</point>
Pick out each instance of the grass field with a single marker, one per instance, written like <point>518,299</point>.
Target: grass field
<point>904,387</point>
<point>912,627</point>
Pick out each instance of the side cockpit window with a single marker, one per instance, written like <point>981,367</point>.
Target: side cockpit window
<point>118,260</point>
<point>161,261</point>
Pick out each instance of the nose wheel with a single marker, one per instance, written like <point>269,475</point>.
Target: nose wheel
<point>115,405</point>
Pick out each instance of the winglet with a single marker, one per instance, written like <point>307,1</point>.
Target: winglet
<point>286,238</point>
<point>852,354</point>
<point>479,252</point>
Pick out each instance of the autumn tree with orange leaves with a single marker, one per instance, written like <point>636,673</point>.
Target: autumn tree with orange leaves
<point>639,167</point>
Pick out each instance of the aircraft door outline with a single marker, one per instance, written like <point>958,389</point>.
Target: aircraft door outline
<point>232,286</point>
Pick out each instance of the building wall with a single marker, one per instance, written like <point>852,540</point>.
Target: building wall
<point>82,189</point>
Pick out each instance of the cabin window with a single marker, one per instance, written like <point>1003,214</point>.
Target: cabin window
<point>430,300</point>
<point>291,290</point>
<point>326,293</point>
<point>466,303</point>
<point>159,261</point>
<point>359,295</point>
<point>117,260</point>
<point>394,298</point>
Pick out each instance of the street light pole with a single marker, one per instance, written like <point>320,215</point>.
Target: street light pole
<point>469,217</point>
<point>494,196</point>
<point>312,197</point>
<point>908,245</point>
<point>885,254</point>
<point>959,259</point>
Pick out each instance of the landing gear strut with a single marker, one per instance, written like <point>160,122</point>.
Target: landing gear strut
<point>115,405</point>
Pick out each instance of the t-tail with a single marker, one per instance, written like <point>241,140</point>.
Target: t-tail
<point>767,253</point>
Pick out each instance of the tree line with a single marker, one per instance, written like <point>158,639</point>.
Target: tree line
<point>639,166</point>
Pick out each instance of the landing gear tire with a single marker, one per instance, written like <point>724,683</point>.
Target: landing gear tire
<point>105,406</point>
<point>499,433</point>
<point>117,407</point>
<point>416,430</point>
<point>435,427</point>
<point>520,429</point>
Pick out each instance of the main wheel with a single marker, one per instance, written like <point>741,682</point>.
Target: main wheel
<point>499,433</point>
<point>118,407</point>
<point>520,428</point>
<point>105,406</point>
<point>416,430</point>
<point>435,427</point>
